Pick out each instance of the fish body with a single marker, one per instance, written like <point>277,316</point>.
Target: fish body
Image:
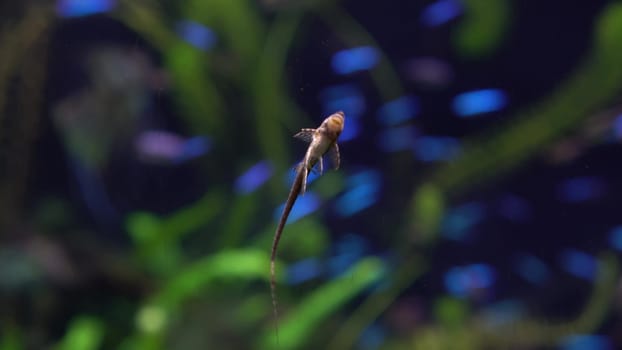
<point>322,140</point>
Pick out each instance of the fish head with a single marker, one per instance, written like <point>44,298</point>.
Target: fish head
<point>334,124</point>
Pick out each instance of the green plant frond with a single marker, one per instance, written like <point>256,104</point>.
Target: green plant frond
<point>296,328</point>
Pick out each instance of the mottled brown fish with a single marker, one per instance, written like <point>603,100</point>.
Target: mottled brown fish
<point>322,140</point>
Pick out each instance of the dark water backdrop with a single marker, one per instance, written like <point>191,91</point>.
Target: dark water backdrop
<point>146,153</point>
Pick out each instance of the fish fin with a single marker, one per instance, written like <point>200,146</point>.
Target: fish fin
<point>333,154</point>
<point>305,135</point>
<point>303,180</point>
<point>318,169</point>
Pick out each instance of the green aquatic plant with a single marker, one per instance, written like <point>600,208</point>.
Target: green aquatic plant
<point>505,147</point>
<point>485,25</point>
<point>22,44</point>
<point>157,239</point>
<point>592,86</point>
<point>299,325</point>
<point>83,333</point>
<point>473,332</point>
<point>212,254</point>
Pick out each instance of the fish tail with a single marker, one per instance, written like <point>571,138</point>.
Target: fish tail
<point>291,199</point>
<point>275,310</point>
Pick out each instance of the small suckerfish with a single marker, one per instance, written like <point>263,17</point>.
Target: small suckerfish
<point>322,140</point>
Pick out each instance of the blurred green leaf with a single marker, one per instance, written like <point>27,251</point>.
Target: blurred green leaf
<point>194,91</point>
<point>153,318</point>
<point>593,85</point>
<point>435,338</point>
<point>253,310</point>
<point>304,238</point>
<point>157,239</point>
<point>142,342</point>
<point>11,338</point>
<point>198,97</point>
<point>272,105</point>
<point>145,18</point>
<point>530,332</point>
<point>329,184</point>
<point>237,21</point>
<point>429,206</point>
<point>352,33</point>
<point>239,220</point>
<point>143,227</point>
<point>190,218</point>
<point>296,328</point>
<point>237,264</point>
<point>609,31</point>
<point>18,270</point>
<point>84,333</point>
<point>451,312</point>
<point>407,270</point>
<point>429,338</point>
<point>483,27</point>
<point>53,213</point>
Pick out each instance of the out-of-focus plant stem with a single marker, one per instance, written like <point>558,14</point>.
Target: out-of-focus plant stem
<point>268,89</point>
<point>594,84</point>
<point>375,304</point>
<point>352,33</point>
<point>24,47</point>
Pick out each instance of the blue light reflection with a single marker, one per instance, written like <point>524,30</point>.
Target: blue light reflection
<point>472,103</point>
<point>305,205</point>
<point>615,238</point>
<point>463,281</point>
<point>355,60</point>
<point>585,342</point>
<point>617,127</point>
<point>436,148</point>
<point>254,177</point>
<point>303,271</point>
<point>351,130</point>
<point>372,338</point>
<point>459,221</point>
<point>348,250</point>
<point>532,269</point>
<point>580,189</point>
<point>346,97</point>
<point>363,191</point>
<point>397,139</point>
<point>514,208</point>
<point>196,34</point>
<point>78,8</point>
<point>579,264</point>
<point>398,111</point>
<point>441,12</point>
